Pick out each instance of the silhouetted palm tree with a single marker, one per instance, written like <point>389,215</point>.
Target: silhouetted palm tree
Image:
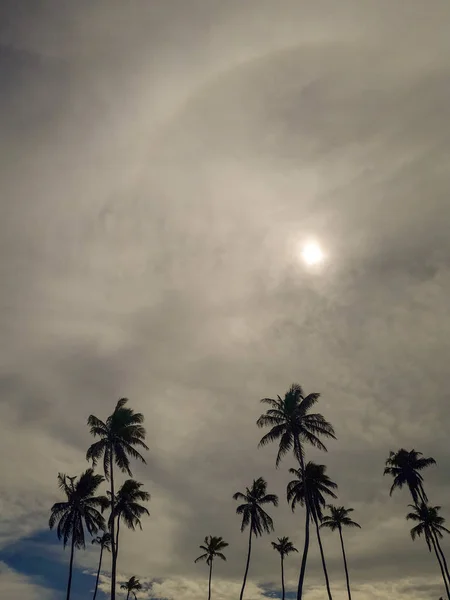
<point>132,585</point>
<point>292,426</point>
<point>404,467</point>
<point>212,547</point>
<point>309,489</point>
<point>254,515</point>
<point>127,507</point>
<point>79,511</point>
<point>337,519</point>
<point>284,547</point>
<point>119,435</point>
<point>104,541</point>
<point>431,525</point>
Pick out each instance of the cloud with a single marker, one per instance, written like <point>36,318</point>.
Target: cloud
<point>15,585</point>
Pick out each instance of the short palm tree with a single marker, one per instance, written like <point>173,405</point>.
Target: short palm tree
<point>132,586</point>
<point>127,507</point>
<point>284,547</point>
<point>292,425</point>
<point>431,525</point>
<point>309,490</point>
<point>104,541</point>
<point>119,435</point>
<point>212,547</point>
<point>254,515</point>
<point>337,519</point>
<point>80,511</point>
<point>405,466</point>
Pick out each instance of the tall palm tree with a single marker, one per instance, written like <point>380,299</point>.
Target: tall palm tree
<point>132,586</point>
<point>212,547</point>
<point>292,426</point>
<point>310,489</point>
<point>254,515</point>
<point>127,507</point>
<point>337,519</point>
<point>284,547</point>
<point>119,435</point>
<point>431,525</point>
<point>104,541</point>
<point>79,511</point>
<point>404,467</point>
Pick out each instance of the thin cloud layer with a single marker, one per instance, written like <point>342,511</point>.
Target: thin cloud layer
<point>158,174</point>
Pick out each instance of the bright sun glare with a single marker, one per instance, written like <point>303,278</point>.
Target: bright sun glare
<point>312,253</point>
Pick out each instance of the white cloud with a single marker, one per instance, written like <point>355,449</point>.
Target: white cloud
<point>15,585</point>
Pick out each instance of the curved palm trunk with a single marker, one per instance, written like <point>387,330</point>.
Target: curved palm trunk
<point>113,540</point>
<point>72,552</point>
<point>117,538</point>
<point>282,578</point>
<point>210,576</point>
<point>248,563</point>
<point>324,565</point>
<point>98,572</point>
<point>441,567</point>
<point>301,578</point>
<point>128,594</point>
<point>345,565</point>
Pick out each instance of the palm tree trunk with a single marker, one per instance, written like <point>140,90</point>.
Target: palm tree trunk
<point>72,552</point>
<point>98,572</point>
<point>210,575</point>
<point>301,578</point>
<point>345,565</point>
<point>113,541</point>
<point>441,567</point>
<point>324,565</point>
<point>117,539</point>
<point>248,563</point>
<point>444,562</point>
<point>128,594</point>
<point>282,578</point>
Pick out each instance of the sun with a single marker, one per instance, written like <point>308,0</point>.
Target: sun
<point>312,253</point>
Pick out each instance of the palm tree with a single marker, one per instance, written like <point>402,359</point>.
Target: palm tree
<point>338,519</point>
<point>309,489</point>
<point>254,515</point>
<point>431,525</point>
<point>284,547</point>
<point>132,586</point>
<point>127,507</point>
<point>293,425</point>
<point>212,547</point>
<point>79,511</point>
<point>119,435</point>
<point>404,466</point>
<point>104,541</point>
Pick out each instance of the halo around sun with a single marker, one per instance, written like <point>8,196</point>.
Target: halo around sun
<point>311,253</point>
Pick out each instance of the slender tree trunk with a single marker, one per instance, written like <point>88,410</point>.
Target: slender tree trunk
<point>282,578</point>
<point>324,565</point>
<point>69,583</point>
<point>301,578</point>
<point>98,572</point>
<point>210,575</point>
<point>117,539</point>
<point>345,565</point>
<point>248,563</point>
<point>441,567</point>
<point>113,540</point>
<point>444,562</point>
<point>128,594</point>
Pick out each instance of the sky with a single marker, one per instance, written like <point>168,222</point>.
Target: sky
<point>162,164</point>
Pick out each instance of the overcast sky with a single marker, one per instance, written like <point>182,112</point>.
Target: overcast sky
<point>161,162</point>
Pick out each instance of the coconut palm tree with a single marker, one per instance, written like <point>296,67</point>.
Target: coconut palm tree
<point>132,586</point>
<point>254,515</point>
<point>293,425</point>
<point>104,541</point>
<point>309,490</point>
<point>431,525</point>
<point>404,467</point>
<point>212,547</point>
<point>127,507</point>
<point>79,512</point>
<point>337,519</point>
<point>119,435</point>
<point>284,547</point>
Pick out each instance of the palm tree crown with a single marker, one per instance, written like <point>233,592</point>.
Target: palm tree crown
<point>127,505</point>
<point>404,466</point>
<point>293,424</point>
<point>284,546</point>
<point>338,518</point>
<point>312,487</point>
<point>81,509</point>
<point>429,522</point>
<point>251,510</point>
<point>212,547</point>
<point>132,585</point>
<point>104,541</point>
